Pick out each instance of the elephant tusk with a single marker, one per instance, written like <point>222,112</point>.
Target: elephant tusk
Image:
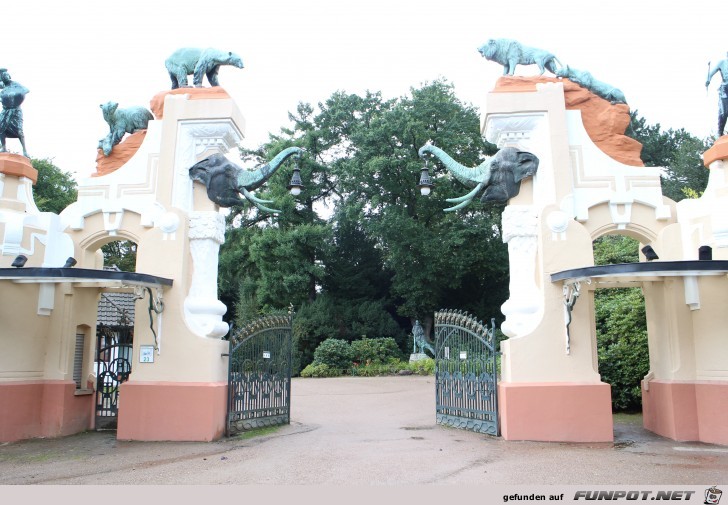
<point>267,209</point>
<point>458,206</point>
<point>468,197</point>
<point>250,196</point>
<point>257,201</point>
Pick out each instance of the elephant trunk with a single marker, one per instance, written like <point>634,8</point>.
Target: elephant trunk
<point>468,176</point>
<point>253,179</point>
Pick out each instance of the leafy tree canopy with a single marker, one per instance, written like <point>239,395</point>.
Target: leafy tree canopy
<point>55,189</point>
<point>675,150</point>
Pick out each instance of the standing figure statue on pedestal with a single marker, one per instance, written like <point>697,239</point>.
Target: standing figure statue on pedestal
<point>419,341</point>
<point>11,117</point>
<point>722,67</point>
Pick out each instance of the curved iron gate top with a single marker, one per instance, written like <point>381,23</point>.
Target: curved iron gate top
<point>259,377</point>
<point>465,372</point>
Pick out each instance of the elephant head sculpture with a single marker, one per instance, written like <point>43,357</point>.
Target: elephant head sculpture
<point>225,181</point>
<point>500,175</point>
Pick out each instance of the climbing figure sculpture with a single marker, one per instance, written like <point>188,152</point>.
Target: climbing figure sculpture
<point>722,67</point>
<point>121,122</point>
<point>11,117</point>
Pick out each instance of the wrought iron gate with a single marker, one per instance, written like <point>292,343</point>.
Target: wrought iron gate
<point>465,372</point>
<point>113,366</point>
<point>259,378</point>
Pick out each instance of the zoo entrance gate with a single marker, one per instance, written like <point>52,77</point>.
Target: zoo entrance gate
<point>259,378</point>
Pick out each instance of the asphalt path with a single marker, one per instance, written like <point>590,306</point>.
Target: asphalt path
<point>353,431</point>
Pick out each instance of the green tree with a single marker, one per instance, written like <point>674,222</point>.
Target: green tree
<point>431,255</point>
<point>121,253</point>
<point>622,344</point>
<point>55,189</point>
<point>677,151</point>
<point>386,255</point>
<point>621,326</point>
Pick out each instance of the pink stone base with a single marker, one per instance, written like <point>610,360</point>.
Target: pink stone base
<point>556,412</point>
<point>687,411</point>
<point>31,409</point>
<point>180,411</point>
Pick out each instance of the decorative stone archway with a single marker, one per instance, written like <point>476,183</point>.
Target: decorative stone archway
<point>178,391</point>
<point>590,183</point>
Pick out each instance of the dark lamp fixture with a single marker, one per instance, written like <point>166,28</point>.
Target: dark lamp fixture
<point>705,253</point>
<point>425,185</point>
<point>296,184</point>
<point>71,261</point>
<point>19,261</point>
<point>650,253</point>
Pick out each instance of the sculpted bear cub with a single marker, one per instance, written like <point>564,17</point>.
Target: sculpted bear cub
<point>200,62</point>
<point>122,121</point>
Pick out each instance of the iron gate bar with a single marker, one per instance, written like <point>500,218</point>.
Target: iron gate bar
<point>113,361</point>
<point>259,374</point>
<point>465,373</point>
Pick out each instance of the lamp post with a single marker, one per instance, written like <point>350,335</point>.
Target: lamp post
<point>296,184</point>
<point>425,185</point>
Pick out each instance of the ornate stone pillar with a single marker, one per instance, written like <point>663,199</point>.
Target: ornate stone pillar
<point>520,232</point>
<point>203,311</point>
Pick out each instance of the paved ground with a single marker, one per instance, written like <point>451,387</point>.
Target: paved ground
<point>364,431</point>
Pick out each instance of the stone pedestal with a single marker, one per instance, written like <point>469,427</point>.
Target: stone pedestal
<point>17,177</point>
<point>418,356</point>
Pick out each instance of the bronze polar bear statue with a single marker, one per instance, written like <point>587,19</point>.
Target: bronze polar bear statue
<point>510,53</point>
<point>200,62</point>
<point>122,121</point>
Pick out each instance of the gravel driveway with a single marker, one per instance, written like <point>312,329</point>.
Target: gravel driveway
<point>364,431</point>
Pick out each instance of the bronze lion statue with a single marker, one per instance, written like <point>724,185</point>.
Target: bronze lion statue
<point>510,53</point>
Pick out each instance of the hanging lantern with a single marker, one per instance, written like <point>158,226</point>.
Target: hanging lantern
<point>425,185</point>
<point>296,184</point>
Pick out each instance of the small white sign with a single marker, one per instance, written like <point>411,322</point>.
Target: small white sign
<point>146,354</point>
<point>266,354</point>
<point>447,353</point>
<point>463,355</point>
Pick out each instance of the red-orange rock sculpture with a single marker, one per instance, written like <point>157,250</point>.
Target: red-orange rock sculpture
<point>123,151</point>
<point>604,122</point>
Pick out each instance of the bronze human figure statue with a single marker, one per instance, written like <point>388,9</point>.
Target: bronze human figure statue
<point>11,117</point>
<point>722,67</point>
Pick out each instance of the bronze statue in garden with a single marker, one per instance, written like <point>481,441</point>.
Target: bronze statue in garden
<point>722,67</point>
<point>11,117</point>
<point>419,342</point>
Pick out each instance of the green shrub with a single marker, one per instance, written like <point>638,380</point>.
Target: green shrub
<point>622,345</point>
<point>373,369</point>
<point>375,350</point>
<point>321,370</point>
<point>423,366</point>
<point>335,353</point>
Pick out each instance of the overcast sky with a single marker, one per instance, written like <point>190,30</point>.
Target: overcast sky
<point>75,55</point>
